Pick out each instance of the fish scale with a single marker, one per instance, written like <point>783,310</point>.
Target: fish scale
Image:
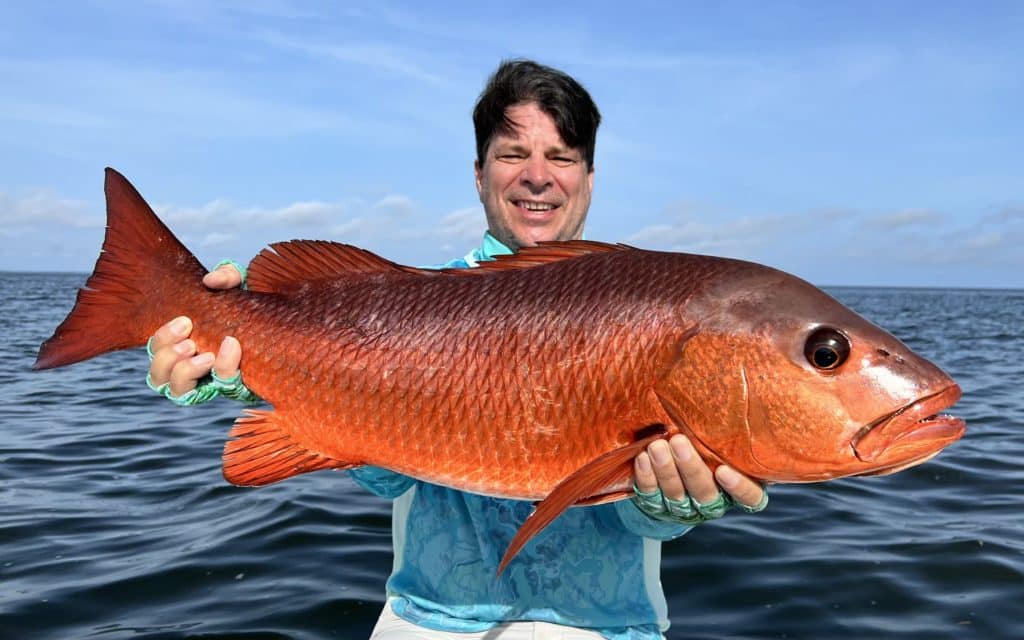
<point>406,419</point>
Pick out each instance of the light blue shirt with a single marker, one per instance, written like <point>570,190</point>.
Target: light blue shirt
<point>593,567</point>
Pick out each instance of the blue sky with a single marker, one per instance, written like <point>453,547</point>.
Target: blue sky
<point>855,143</point>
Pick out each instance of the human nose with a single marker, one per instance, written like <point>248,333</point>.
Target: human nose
<point>536,175</point>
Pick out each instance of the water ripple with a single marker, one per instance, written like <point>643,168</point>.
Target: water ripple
<point>117,523</point>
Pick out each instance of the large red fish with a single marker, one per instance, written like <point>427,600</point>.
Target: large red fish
<point>539,376</point>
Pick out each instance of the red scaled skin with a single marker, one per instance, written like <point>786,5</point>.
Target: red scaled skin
<point>507,379</point>
<point>494,383</point>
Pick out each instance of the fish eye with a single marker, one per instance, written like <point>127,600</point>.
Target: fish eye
<point>827,349</point>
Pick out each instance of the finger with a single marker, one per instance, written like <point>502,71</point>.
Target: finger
<point>229,356</point>
<point>696,476</point>
<point>643,474</point>
<point>223,277</point>
<point>174,331</point>
<point>164,360</point>
<point>665,470</point>
<point>740,487</point>
<point>186,373</point>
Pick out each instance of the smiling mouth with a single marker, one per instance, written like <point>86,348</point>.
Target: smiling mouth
<point>536,207</point>
<point>912,433</point>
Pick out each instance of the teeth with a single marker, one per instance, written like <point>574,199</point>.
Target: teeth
<point>536,206</point>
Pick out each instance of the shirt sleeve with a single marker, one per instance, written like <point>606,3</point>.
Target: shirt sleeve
<point>381,482</point>
<point>638,522</point>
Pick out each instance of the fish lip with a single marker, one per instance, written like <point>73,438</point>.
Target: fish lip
<point>916,428</point>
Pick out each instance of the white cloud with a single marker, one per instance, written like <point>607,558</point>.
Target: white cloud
<point>353,227</point>
<point>42,208</point>
<point>994,240</point>
<point>1009,215</point>
<point>841,245</point>
<point>984,241</point>
<point>395,205</point>
<point>904,218</point>
<point>217,239</point>
<point>704,230</point>
<point>394,225</point>
<point>213,213</point>
<point>465,224</point>
<point>810,244</point>
<point>222,214</point>
<point>824,245</point>
<point>308,214</point>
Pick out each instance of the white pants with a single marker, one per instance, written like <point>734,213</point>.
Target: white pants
<point>391,627</point>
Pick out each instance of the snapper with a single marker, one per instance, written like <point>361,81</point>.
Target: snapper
<point>538,376</point>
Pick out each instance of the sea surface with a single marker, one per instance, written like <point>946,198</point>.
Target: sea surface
<point>115,521</point>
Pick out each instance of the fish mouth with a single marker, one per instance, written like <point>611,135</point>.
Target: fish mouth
<point>911,434</point>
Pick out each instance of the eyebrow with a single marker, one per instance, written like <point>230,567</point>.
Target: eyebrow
<point>518,146</point>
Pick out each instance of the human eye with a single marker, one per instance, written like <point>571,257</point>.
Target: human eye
<point>564,159</point>
<point>510,156</point>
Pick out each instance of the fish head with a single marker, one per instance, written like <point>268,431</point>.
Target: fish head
<point>785,384</point>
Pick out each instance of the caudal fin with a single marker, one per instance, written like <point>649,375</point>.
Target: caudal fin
<point>141,268</point>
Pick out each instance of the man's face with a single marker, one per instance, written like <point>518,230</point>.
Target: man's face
<point>533,187</point>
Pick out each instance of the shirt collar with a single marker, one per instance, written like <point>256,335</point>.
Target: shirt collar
<point>492,247</point>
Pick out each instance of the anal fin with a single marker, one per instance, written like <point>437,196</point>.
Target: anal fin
<point>580,488</point>
<point>262,451</point>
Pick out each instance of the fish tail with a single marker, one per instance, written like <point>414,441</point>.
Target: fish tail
<point>140,275</point>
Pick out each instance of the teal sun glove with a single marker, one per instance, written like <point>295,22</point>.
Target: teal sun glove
<point>689,511</point>
<point>212,385</point>
<point>242,271</point>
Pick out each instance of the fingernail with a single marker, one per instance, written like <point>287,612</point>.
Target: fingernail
<point>681,448</point>
<point>727,477</point>
<point>184,347</point>
<point>180,325</point>
<point>643,463</point>
<point>658,453</point>
<point>203,360</point>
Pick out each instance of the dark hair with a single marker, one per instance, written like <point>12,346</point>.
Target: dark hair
<point>557,94</point>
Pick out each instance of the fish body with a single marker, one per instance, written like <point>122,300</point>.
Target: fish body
<point>539,376</point>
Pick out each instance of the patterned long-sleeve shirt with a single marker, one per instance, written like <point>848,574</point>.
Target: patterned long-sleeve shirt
<point>594,567</point>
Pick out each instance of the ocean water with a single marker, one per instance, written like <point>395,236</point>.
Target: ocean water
<point>115,521</point>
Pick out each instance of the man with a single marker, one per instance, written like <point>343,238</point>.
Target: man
<point>594,572</point>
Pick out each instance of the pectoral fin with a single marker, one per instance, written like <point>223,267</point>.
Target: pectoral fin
<point>583,487</point>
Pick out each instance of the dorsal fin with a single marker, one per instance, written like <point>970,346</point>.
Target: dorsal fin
<point>283,267</point>
<point>542,253</point>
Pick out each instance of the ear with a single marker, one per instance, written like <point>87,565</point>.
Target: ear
<point>478,172</point>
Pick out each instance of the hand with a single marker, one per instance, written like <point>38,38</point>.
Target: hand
<point>174,355</point>
<point>676,468</point>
